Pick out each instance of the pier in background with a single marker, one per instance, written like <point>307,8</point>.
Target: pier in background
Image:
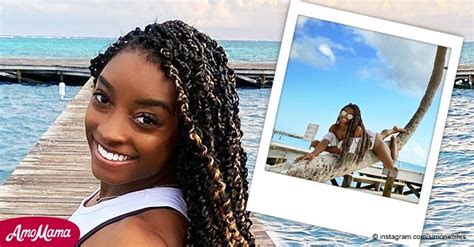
<point>76,72</point>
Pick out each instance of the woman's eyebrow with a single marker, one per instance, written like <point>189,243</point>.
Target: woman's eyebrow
<point>152,102</point>
<point>106,83</point>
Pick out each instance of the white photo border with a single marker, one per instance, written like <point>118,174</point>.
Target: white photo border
<point>328,206</point>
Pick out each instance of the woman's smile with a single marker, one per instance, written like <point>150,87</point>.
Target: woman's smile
<point>112,156</point>
<point>107,156</point>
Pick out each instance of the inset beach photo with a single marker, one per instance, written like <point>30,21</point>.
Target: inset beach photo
<point>357,97</point>
<point>355,117</point>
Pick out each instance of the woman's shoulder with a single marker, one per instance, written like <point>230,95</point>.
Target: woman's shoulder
<point>358,131</point>
<point>156,227</point>
<point>333,128</point>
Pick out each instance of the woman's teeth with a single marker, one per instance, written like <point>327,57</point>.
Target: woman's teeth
<point>112,156</point>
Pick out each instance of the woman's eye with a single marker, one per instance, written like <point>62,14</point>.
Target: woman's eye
<point>146,120</point>
<point>101,98</point>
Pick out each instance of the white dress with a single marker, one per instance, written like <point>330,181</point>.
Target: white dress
<point>92,219</point>
<point>331,137</point>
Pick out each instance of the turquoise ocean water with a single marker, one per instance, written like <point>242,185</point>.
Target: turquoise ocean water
<point>77,47</point>
<point>26,111</point>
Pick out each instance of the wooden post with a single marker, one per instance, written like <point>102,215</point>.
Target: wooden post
<point>346,183</point>
<point>376,186</point>
<point>262,79</point>
<point>387,190</point>
<point>18,75</point>
<point>391,175</point>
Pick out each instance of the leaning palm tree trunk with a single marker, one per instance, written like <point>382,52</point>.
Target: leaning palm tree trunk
<point>327,167</point>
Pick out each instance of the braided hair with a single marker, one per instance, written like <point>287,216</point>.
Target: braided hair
<point>364,142</point>
<point>210,159</point>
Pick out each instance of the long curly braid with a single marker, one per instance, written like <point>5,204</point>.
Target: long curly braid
<point>210,159</point>
<point>364,142</point>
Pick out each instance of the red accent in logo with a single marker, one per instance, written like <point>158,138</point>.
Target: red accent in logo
<point>38,231</point>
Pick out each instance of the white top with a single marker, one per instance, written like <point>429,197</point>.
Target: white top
<point>333,141</point>
<point>93,218</point>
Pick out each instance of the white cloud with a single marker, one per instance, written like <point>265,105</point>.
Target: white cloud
<point>401,63</point>
<point>316,51</point>
<point>326,50</point>
<point>306,50</point>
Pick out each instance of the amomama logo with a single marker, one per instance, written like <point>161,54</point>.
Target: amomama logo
<point>38,231</point>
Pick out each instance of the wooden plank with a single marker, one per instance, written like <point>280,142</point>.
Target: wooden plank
<point>246,79</point>
<point>403,175</point>
<point>369,180</point>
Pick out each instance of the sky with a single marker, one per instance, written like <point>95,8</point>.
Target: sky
<point>332,65</point>
<point>222,19</point>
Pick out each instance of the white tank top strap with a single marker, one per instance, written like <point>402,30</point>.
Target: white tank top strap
<point>93,218</point>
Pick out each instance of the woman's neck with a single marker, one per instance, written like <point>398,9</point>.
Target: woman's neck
<point>113,190</point>
<point>343,126</point>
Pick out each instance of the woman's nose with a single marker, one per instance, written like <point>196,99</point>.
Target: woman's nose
<point>114,129</point>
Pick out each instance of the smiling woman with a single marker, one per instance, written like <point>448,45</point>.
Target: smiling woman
<point>165,140</point>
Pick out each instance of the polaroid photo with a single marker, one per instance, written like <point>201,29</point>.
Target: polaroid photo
<point>354,123</point>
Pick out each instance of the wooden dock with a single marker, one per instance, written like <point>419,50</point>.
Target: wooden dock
<point>464,76</point>
<point>55,176</point>
<point>75,71</point>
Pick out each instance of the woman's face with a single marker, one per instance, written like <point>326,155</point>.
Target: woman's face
<point>346,115</point>
<point>132,122</point>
